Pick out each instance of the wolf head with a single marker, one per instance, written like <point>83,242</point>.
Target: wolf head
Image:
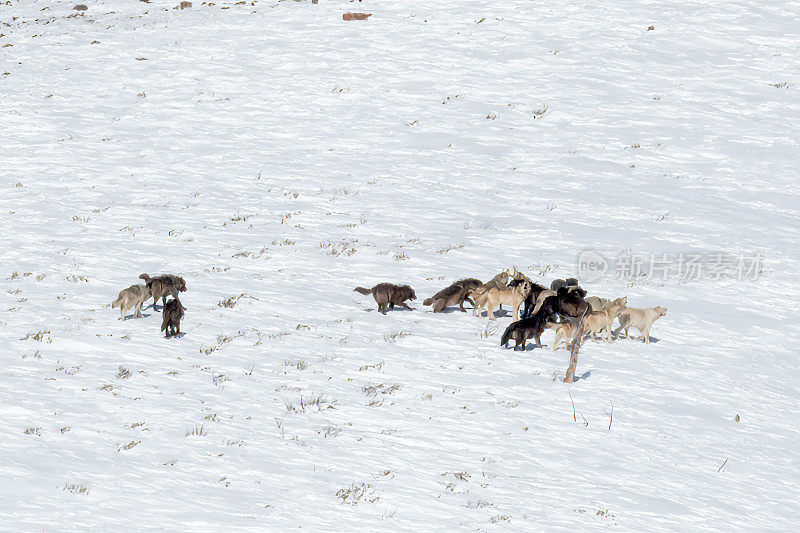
<point>408,292</point>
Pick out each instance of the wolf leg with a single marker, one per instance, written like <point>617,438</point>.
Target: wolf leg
<point>476,306</point>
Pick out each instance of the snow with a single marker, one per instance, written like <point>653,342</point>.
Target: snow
<point>273,153</point>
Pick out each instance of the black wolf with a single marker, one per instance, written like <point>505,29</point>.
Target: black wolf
<point>172,312</point>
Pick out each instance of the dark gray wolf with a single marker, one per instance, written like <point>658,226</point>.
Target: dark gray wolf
<point>455,294</point>
<point>527,328</point>
<point>566,301</point>
<point>389,294</point>
<point>568,304</point>
<point>530,300</point>
<point>558,283</point>
<point>172,312</point>
<point>163,286</point>
<point>134,296</point>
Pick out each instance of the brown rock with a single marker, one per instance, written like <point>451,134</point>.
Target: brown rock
<point>185,4</point>
<point>356,16</point>
<point>80,7</point>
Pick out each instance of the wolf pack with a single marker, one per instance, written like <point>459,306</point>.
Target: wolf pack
<point>157,288</point>
<point>563,307</point>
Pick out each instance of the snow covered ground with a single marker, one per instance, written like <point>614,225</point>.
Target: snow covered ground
<point>276,157</point>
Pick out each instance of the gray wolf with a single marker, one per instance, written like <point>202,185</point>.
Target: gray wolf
<point>512,296</point>
<point>172,312</point>
<point>517,278</point>
<point>641,319</point>
<point>163,286</point>
<point>455,294</point>
<point>598,304</point>
<point>389,294</point>
<point>134,296</point>
<point>596,321</point>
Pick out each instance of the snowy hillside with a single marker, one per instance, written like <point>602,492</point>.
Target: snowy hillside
<point>276,156</point>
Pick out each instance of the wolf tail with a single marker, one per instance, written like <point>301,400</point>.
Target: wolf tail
<point>428,301</point>
<point>362,290</point>
<point>507,335</point>
<point>165,322</point>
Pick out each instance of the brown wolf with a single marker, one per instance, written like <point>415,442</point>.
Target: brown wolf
<point>172,312</point>
<point>512,296</point>
<point>595,321</point>
<point>455,294</point>
<point>134,296</point>
<point>499,281</point>
<point>389,294</point>
<point>565,330</point>
<point>163,286</point>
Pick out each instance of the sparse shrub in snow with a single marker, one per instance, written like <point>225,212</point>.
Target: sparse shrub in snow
<point>196,431</point>
<point>357,493</point>
<point>76,488</point>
